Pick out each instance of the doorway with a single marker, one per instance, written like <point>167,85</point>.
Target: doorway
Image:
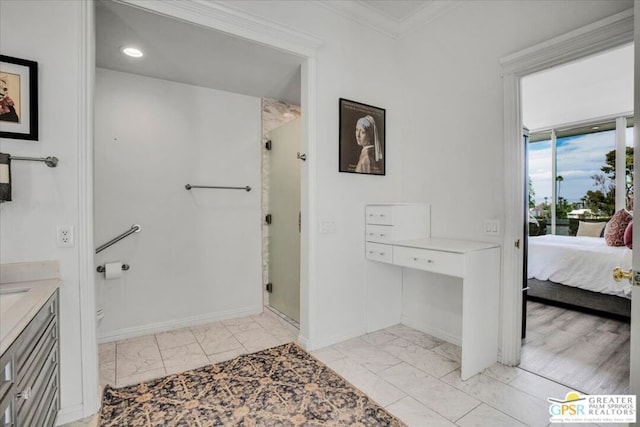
<point>575,185</point>
<point>609,33</point>
<point>269,40</point>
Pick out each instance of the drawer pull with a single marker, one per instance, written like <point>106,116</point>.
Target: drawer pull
<point>8,421</point>
<point>380,235</point>
<point>429,261</point>
<point>8,372</point>
<point>24,394</point>
<point>381,253</point>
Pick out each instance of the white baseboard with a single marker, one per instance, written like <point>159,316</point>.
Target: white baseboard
<point>177,324</point>
<point>304,342</point>
<point>321,342</point>
<point>70,413</point>
<point>435,332</point>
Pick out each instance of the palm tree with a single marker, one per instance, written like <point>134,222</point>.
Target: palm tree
<point>559,179</point>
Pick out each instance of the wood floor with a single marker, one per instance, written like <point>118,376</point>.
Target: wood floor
<point>585,352</point>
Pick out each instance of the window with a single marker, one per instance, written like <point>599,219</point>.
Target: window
<point>572,174</point>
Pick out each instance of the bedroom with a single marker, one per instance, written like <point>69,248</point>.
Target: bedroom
<point>580,134</point>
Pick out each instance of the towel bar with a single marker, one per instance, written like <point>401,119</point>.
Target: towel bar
<point>50,161</point>
<point>189,187</point>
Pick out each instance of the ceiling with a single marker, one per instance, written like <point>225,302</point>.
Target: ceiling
<point>395,18</point>
<point>183,52</point>
<point>187,53</point>
<point>398,10</point>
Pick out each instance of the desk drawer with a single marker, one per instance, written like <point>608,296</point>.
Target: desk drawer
<point>379,233</point>
<point>379,252</point>
<point>448,263</point>
<point>378,214</point>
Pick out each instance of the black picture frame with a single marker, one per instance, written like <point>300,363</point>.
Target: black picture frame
<point>18,98</point>
<point>366,159</point>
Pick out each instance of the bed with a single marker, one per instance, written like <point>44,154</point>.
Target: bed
<point>577,272</point>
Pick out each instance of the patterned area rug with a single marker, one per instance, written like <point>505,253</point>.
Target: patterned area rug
<point>281,386</point>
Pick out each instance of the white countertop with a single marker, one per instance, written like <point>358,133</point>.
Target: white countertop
<point>24,298</point>
<point>446,245</point>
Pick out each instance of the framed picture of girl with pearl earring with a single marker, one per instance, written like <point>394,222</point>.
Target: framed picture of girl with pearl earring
<point>362,138</point>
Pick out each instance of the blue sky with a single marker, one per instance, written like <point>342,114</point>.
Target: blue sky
<point>579,157</point>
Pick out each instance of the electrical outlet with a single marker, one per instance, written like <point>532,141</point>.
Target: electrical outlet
<point>64,236</point>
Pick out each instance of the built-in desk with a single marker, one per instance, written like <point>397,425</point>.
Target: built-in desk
<point>477,264</point>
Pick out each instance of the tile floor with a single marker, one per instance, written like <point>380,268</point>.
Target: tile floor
<point>414,376</point>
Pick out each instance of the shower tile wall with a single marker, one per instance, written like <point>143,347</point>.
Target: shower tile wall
<point>274,114</point>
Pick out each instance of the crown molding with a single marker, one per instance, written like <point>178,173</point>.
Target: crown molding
<point>611,32</point>
<point>372,18</point>
<point>427,14</point>
<point>364,15</point>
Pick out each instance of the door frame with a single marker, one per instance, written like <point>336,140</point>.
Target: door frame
<point>240,24</point>
<point>614,31</point>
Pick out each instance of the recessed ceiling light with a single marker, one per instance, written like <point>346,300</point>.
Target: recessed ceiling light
<point>132,51</point>
<point>595,127</point>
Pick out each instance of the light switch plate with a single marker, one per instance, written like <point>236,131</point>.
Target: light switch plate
<point>491,227</point>
<point>327,227</point>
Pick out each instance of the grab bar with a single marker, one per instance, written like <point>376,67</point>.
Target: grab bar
<point>134,229</point>
<point>189,187</point>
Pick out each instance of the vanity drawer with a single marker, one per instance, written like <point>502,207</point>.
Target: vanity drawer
<point>34,396</point>
<point>7,414</point>
<point>379,252</point>
<point>451,264</point>
<point>7,374</point>
<point>379,233</point>
<point>379,214</point>
<point>29,338</point>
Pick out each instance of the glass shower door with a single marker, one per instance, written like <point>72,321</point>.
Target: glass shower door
<point>284,231</point>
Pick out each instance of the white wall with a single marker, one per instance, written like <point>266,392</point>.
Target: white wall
<point>359,64</point>
<point>198,255</point>
<point>592,88</point>
<point>453,120</point>
<point>48,33</point>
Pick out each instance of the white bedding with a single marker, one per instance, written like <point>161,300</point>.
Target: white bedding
<point>582,262</point>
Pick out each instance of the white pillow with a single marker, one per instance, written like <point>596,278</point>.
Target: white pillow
<point>590,229</point>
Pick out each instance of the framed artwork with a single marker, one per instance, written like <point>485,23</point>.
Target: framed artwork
<point>362,138</point>
<point>18,98</point>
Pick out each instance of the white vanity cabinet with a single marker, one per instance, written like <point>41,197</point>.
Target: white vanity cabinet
<point>386,223</point>
<point>396,234</point>
<point>29,382</point>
